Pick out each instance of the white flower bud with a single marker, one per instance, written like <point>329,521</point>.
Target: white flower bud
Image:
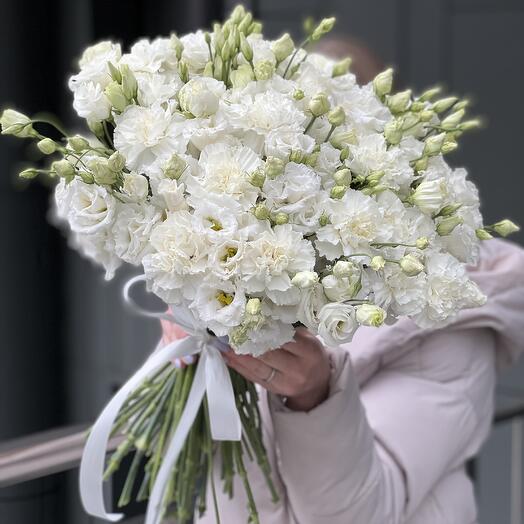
<point>342,177</point>
<point>319,105</point>
<point>264,70</point>
<point>16,124</point>
<point>448,224</point>
<point>274,167</point>
<point>324,220</point>
<point>242,76</point>
<point>325,26</point>
<point>377,263</point>
<point>281,218</point>
<point>298,94</point>
<point>47,146</point>
<point>245,48</point>
<point>135,186</point>
<point>116,162</point>
<point>430,93</point>
<point>261,211</point>
<point>29,173</point>
<point>341,68</point>
<point>429,196</point>
<point>337,192</point>
<point>393,132</point>
<point>374,178</point>
<point>341,139</point>
<point>411,265</point>
<point>422,242</point>
<point>505,227</point>
<point>444,104</point>
<point>63,169</point>
<point>237,336</point>
<point>341,289</point>
<point>78,143</point>
<point>383,83</point>
<point>482,234</point>
<point>433,144</point>
<point>448,210</point>
<point>174,167</point>
<point>449,146</point>
<point>101,172</point>
<point>129,83</point>
<point>470,124</point>
<point>116,96</point>
<point>344,268</point>
<point>257,178</point>
<point>253,306</point>
<point>337,116</point>
<point>452,121</point>
<point>370,315</point>
<point>305,279</point>
<point>283,47</point>
<point>177,45</point>
<point>399,102</point>
<point>421,164</point>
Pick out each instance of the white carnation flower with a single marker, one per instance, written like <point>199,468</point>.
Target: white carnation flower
<point>448,291</point>
<point>90,102</point>
<point>337,323</point>
<point>146,134</point>
<point>356,221</point>
<point>172,195</point>
<point>196,51</point>
<point>132,229</point>
<point>272,259</point>
<point>93,65</point>
<point>225,169</point>
<point>154,88</point>
<point>200,96</point>
<point>151,56</point>
<point>271,335</point>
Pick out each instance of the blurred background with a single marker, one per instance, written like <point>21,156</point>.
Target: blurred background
<point>66,342</point>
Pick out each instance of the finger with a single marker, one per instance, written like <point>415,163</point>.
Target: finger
<point>304,344</point>
<point>256,366</point>
<point>280,359</point>
<point>277,384</point>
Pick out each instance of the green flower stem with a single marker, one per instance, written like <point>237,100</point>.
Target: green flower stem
<point>308,127</point>
<point>208,443</point>
<point>303,44</point>
<point>237,452</point>
<point>51,123</point>
<point>227,467</point>
<point>330,133</point>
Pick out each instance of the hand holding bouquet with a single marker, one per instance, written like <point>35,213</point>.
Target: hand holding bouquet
<point>260,189</point>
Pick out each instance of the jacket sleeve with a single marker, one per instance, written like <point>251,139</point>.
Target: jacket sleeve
<point>372,456</point>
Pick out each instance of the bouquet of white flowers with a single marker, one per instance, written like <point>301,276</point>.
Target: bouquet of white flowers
<point>260,188</point>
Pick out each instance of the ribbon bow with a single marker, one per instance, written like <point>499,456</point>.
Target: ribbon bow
<point>211,377</point>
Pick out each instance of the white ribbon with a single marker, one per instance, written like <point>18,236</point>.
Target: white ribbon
<point>211,376</point>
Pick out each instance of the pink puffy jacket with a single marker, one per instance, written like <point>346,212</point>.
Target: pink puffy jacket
<point>407,408</point>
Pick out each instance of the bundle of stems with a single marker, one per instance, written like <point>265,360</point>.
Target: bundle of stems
<point>148,421</point>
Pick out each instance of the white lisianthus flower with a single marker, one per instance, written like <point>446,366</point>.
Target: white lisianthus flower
<point>225,170</point>
<point>180,258</point>
<point>91,103</point>
<point>200,96</point>
<point>146,134</point>
<point>341,289</point>
<point>196,52</point>
<point>135,187</point>
<point>88,208</point>
<point>220,305</point>
<point>305,279</point>
<point>272,259</point>
<point>132,229</point>
<point>312,300</point>
<point>337,323</point>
